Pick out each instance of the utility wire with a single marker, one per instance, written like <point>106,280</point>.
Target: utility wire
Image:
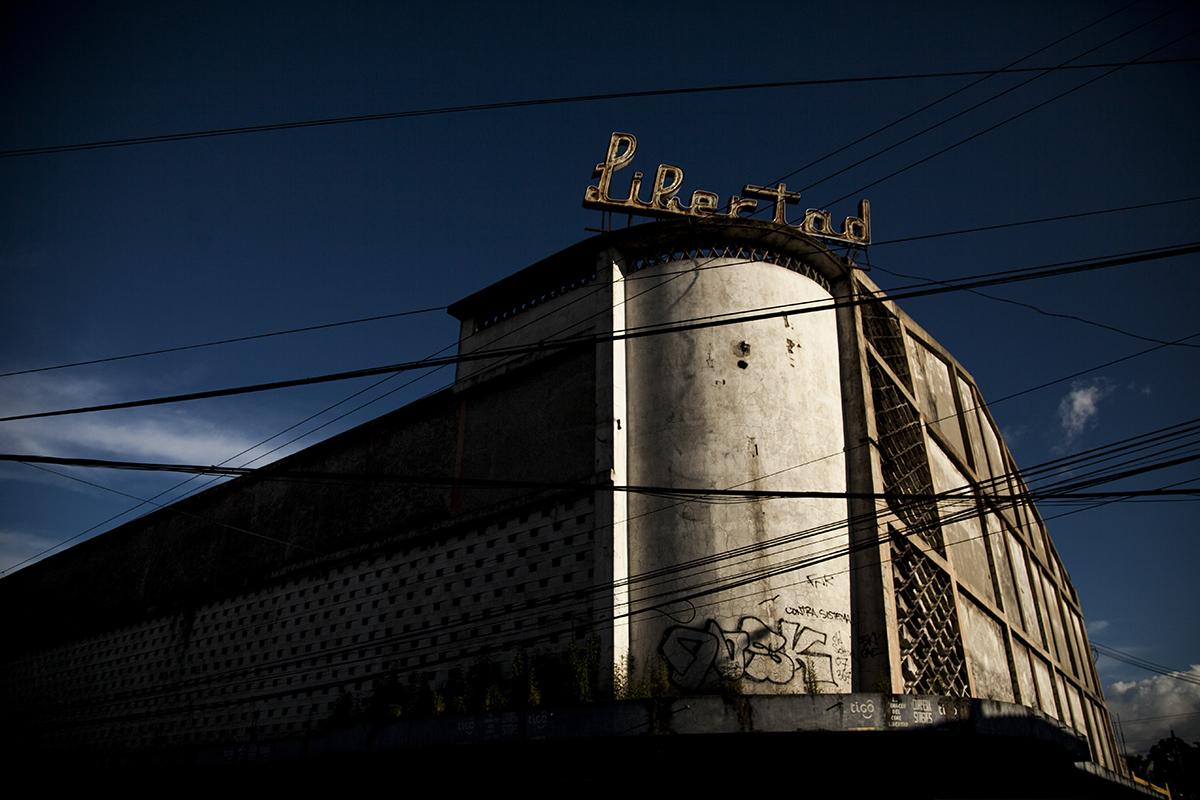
<point>215,342</point>
<point>632,277</point>
<point>952,94</point>
<point>992,403</point>
<point>1162,716</point>
<point>1006,121</point>
<point>181,688</point>
<point>1070,492</point>
<point>545,101</point>
<point>1047,313</point>
<point>508,642</point>
<point>535,319</point>
<point>408,383</point>
<point>173,509</point>
<point>988,100</point>
<point>1013,223</point>
<point>1141,663</point>
<point>969,282</point>
<point>1057,218</point>
<point>342,683</point>
<point>1060,464</point>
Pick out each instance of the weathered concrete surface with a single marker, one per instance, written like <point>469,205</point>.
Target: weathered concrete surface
<point>755,405</point>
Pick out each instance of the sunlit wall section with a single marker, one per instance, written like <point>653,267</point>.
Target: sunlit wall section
<point>755,594</point>
<point>983,605</point>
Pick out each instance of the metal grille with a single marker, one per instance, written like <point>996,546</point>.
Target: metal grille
<point>703,255</point>
<point>931,656</point>
<point>883,332</point>
<point>499,314</point>
<point>904,459</point>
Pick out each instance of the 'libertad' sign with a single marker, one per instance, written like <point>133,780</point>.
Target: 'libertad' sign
<point>663,201</point>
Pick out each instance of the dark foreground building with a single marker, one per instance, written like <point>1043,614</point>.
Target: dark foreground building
<point>462,573</point>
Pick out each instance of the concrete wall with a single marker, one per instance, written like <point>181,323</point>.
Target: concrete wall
<point>718,589</point>
<point>276,660</point>
<point>1011,627</point>
<point>180,629</point>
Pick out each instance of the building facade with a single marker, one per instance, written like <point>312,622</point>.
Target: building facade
<point>695,457</point>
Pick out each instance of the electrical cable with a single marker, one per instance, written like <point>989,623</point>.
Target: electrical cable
<point>1141,663</point>
<point>1056,218</point>
<point>632,277</point>
<point>1053,314</point>
<point>508,645</point>
<point>972,409</point>
<point>546,101</point>
<point>216,342</point>
<point>988,100</point>
<point>970,513</point>
<point>171,508</point>
<point>969,282</point>
<point>1003,122</point>
<point>1048,496</point>
<point>952,94</point>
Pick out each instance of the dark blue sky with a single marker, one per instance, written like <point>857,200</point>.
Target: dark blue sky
<point>117,250</point>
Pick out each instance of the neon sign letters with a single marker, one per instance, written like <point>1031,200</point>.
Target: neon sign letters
<point>664,200</point>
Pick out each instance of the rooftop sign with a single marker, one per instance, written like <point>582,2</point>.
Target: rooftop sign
<point>663,201</point>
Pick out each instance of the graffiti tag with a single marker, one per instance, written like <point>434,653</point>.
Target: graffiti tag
<point>699,657</point>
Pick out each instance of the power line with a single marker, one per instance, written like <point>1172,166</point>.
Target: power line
<point>357,408</point>
<point>171,508</point>
<point>364,647</point>
<point>987,100</point>
<point>1006,121</point>
<point>1160,717</point>
<point>1057,218</point>
<point>181,687</point>
<point>986,75</point>
<point>968,282</point>
<point>1093,455</point>
<point>215,342</point>
<point>1046,313</point>
<point>1141,663</point>
<point>633,277</point>
<point>1070,492</point>
<point>954,93</point>
<point>994,402</point>
<point>546,101</point>
<point>408,383</point>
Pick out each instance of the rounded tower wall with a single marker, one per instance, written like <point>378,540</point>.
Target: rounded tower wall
<point>720,590</point>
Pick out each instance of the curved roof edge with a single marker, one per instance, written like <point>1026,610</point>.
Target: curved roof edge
<point>578,260</point>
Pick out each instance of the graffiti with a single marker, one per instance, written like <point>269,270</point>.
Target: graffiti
<point>870,644</point>
<point>699,657</point>
<point>817,581</point>
<point>819,613</point>
<point>841,661</point>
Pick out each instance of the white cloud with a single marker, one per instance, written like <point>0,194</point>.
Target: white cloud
<point>1097,626</point>
<point>161,437</point>
<point>174,434</point>
<point>1080,406</point>
<point>1150,709</point>
<point>16,546</point>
